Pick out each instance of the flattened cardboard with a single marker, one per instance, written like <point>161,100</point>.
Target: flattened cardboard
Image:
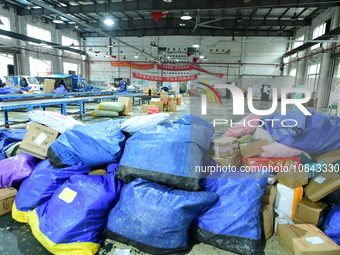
<point>253,148</point>
<point>6,200</point>
<point>48,86</point>
<point>322,185</point>
<point>37,140</point>
<point>306,239</point>
<point>309,212</point>
<point>127,101</point>
<point>267,217</point>
<point>269,195</point>
<point>328,157</point>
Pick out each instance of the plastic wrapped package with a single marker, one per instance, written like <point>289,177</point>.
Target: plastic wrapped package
<point>244,127</point>
<point>278,150</point>
<point>111,106</point>
<point>9,138</point>
<point>315,133</point>
<point>144,122</point>
<point>155,218</point>
<point>73,220</point>
<point>104,113</point>
<point>93,145</point>
<point>54,120</point>
<point>40,186</point>
<point>167,154</point>
<point>233,223</point>
<point>16,169</point>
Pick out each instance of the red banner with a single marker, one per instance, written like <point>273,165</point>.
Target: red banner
<point>132,65</point>
<point>164,79</point>
<point>187,67</point>
<point>157,15</point>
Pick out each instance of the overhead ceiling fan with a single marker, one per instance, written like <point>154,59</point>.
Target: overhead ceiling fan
<point>204,24</point>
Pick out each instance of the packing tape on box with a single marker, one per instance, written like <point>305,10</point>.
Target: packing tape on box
<point>230,148</point>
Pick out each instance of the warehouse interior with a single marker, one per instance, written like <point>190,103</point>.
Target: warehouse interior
<point>126,105</point>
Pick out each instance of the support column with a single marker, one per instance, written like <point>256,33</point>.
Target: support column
<point>324,80</point>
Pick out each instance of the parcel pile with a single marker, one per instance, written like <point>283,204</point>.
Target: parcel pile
<point>154,192</point>
<point>303,186</point>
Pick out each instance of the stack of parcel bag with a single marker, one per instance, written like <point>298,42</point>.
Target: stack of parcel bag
<point>152,195</point>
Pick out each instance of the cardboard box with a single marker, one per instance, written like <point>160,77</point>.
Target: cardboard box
<point>146,91</point>
<point>293,178</point>
<point>158,104</point>
<point>223,147</point>
<point>328,157</point>
<point>172,107</point>
<point>98,172</point>
<point>127,101</point>
<point>37,140</point>
<point>145,107</point>
<point>48,86</point>
<point>6,200</point>
<point>275,164</point>
<point>306,239</point>
<point>232,160</point>
<point>322,185</point>
<point>309,212</point>
<point>297,221</point>
<point>154,92</point>
<point>267,218</point>
<point>164,94</point>
<point>269,195</point>
<point>253,148</point>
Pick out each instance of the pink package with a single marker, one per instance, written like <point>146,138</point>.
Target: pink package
<point>279,150</point>
<point>243,126</point>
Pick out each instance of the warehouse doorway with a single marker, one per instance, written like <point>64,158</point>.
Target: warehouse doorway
<point>6,65</point>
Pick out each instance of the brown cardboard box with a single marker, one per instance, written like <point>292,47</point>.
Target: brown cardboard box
<point>37,140</point>
<point>154,92</point>
<point>293,178</point>
<point>146,91</point>
<point>269,195</point>
<point>328,157</point>
<point>158,104</point>
<point>145,107</point>
<point>309,212</point>
<point>48,86</point>
<point>322,185</point>
<point>297,221</point>
<point>127,101</point>
<point>232,160</point>
<point>6,200</point>
<point>164,94</point>
<point>253,148</point>
<point>306,239</point>
<point>172,107</point>
<point>223,147</point>
<point>98,172</point>
<point>267,217</point>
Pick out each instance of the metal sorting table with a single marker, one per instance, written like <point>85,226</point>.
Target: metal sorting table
<point>42,103</point>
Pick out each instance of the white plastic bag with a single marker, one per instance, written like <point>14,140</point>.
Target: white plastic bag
<point>54,120</point>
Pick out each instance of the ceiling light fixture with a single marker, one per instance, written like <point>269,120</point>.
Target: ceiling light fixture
<point>233,39</point>
<point>136,56</point>
<point>246,1</point>
<point>294,18</point>
<point>106,55</point>
<point>72,45</point>
<point>5,7</point>
<point>195,44</point>
<point>109,22</point>
<point>186,16</point>
<point>167,1</point>
<point>90,49</point>
<point>240,19</point>
<point>58,20</point>
<point>76,26</point>
<point>182,25</point>
<point>201,56</point>
<point>124,57</point>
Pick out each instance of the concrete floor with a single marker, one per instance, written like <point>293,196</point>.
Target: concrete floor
<point>16,238</point>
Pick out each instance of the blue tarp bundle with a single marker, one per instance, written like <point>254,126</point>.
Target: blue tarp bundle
<point>191,119</point>
<point>155,218</point>
<point>40,186</point>
<point>233,223</point>
<point>73,220</point>
<point>93,145</point>
<point>8,138</point>
<point>316,133</point>
<point>8,90</point>
<point>331,225</point>
<point>167,154</point>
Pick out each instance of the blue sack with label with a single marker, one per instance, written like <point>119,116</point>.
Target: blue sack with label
<point>316,133</point>
<point>93,145</point>
<point>73,220</point>
<point>8,138</point>
<point>331,226</point>
<point>233,223</point>
<point>155,218</point>
<point>40,186</point>
<point>168,154</point>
